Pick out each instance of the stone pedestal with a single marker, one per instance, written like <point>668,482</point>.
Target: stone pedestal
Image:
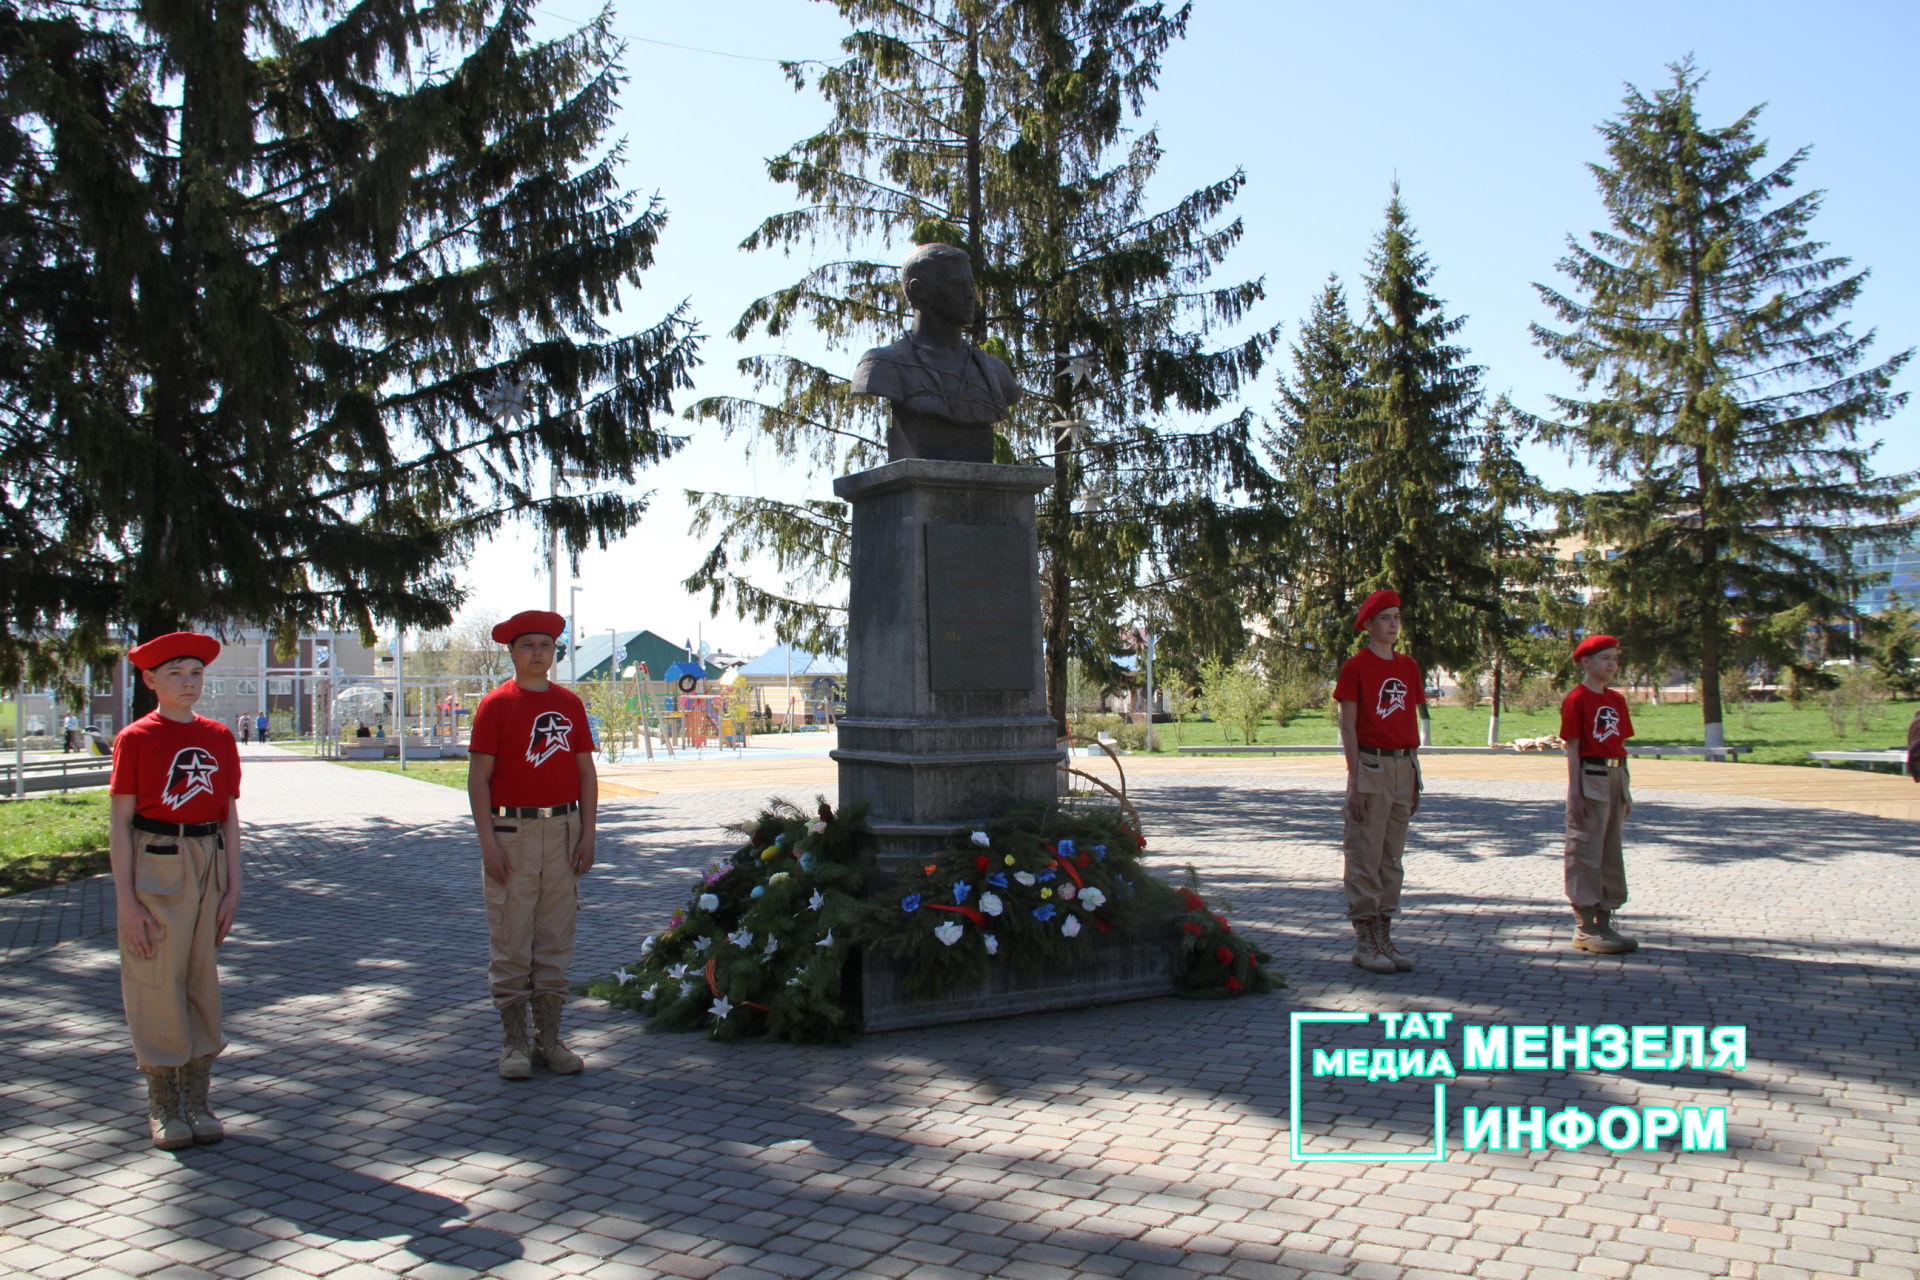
<point>947,723</point>
<point>946,719</point>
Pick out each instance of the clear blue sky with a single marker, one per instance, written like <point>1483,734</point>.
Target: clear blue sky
<point>1485,112</point>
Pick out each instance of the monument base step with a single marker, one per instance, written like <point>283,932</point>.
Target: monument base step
<point>1113,971</point>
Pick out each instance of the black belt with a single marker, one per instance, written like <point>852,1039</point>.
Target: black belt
<point>1612,762</point>
<point>182,830</point>
<point>550,811</point>
<point>1387,751</point>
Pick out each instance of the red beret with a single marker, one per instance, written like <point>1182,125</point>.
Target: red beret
<point>529,622</point>
<point>1382,599</point>
<point>1593,644</point>
<point>175,644</point>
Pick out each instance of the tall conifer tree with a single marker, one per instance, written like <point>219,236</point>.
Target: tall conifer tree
<point>277,256</point>
<point>1728,394</point>
<point>1412,501</point>
<point>1320,430</point>
<point>997,125</point>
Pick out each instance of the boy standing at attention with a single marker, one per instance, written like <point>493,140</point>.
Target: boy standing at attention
<point>174,843</point>
<point>1377,691</point>
<point>535,797</point>
<point>1595,724</point>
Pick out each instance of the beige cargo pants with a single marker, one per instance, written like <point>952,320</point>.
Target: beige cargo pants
<point>1374,847</point>
<point>530,918</point>
<point>172,997</point>
<point>1596,869</point>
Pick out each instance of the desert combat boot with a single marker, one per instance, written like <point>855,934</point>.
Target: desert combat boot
<point>516,1055</point>
<point>555,1056</point>
<point>165,1123</point>
<point>1367,952</point>
<point>1591,934</point>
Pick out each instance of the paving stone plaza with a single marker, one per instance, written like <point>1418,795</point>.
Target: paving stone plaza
<point>371,1138</point>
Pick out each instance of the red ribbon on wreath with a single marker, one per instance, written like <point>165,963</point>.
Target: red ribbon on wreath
<point>714,987</point>
<point>1067,867</point>
<point>979,921</point>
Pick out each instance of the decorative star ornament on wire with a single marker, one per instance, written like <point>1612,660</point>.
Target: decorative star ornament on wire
<point>507,401</point>
<point>1080,369</point>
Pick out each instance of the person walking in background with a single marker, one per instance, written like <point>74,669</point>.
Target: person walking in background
<point>260,726</point>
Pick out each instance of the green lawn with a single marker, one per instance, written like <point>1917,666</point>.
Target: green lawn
<point>448,773</point>
<point>1778,733</point>
<point>49,839</point>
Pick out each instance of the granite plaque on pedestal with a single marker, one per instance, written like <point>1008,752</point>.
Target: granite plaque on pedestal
<point>979,618</point>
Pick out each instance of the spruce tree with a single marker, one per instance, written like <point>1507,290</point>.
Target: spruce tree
<point>270,258</point>
<point>1525,581</point>
<point>1727,393</point>
<point>1319,431</point>
<point>1411,501</point>
<point>997,125</point>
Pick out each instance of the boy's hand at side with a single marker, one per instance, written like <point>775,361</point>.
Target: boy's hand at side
<point>138,929</point>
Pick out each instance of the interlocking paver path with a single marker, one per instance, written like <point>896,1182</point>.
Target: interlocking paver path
<point>371,1139</point>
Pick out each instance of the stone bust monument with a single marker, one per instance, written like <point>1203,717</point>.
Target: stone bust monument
<point>946,394</point>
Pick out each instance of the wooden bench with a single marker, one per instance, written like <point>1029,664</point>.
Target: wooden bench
<point>1722,754</point>
<point>1335,749</point>
<point>1893,756</point>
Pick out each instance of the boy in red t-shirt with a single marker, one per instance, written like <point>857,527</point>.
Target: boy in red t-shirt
<point>1595,725</point>
<point>174,843</point>
<point>1377,691</point>
<point>535,804</point>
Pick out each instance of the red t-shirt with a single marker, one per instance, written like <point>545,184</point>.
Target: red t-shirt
<point>1388,690</point>
<point>533,738</point>
<point>178,771</point>
<point>1597,721</point>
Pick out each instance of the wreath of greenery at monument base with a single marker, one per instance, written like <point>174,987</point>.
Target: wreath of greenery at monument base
<point>761,948</point>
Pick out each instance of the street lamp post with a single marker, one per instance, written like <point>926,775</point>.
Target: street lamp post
<point>573,635</point>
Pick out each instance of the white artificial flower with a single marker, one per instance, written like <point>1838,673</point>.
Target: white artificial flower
<point>650,992</point>
<point>993,945</point>
<point>722,1007</point>
<point>702,943</point>
<point>817,901</point>
<point>949,933</point>
<point>794,981</point>
<point>826,941</point>
<point>622,976</point>
<point>1024,877</point>
<point>708,902</point>
<point>991,904</point>
<point>1072,927</point>
<point>1067,891</point>
<point>816,827</point>
<point>678,972</point>
<point>646,945</point>
<point>1092,898</point>
<point>773,945</point>
<point>741,938</point>
<point>980,838</point>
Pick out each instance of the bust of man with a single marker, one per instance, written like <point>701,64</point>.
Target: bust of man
<point>945,392</point>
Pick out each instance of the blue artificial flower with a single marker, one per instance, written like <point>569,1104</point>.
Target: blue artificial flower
<point>910,903</point>
<point>1066,848</point>
<point>780,840</point>
<point>1043,912</point>
<point>757,891</point>
<point>961,891</point>
<point>1099,853</point>
<point>998,879</point>
<point>808,862</point>
<point>1047,875</point>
